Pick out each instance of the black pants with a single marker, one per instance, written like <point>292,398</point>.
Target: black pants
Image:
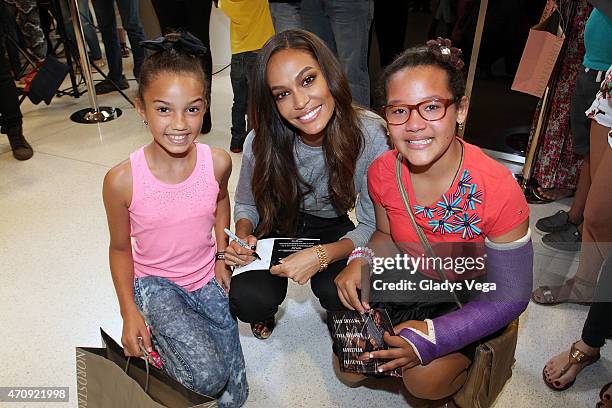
<point>599,320</point>
<point>390,19</point>
<point>192,16</point>
<point>256,295</point>
<point>10,114</point>
<point>240,76</point>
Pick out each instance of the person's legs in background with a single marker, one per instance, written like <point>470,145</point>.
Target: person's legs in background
<point>193,16</point>
<point>107,24</point>
<point>315,19</point>
<point>242,64</point>
<point>10,114</point>
<point>286,16</point>
<point>91,37</point>
<point>596,231</point>
<point>390,19</point>
<point>558,373</point>
<point>9,28</point>
<point>567,235</point>
<point>350,22</point>
<point>198,22</point>
<point>130,18</point>
<point>580,287</point>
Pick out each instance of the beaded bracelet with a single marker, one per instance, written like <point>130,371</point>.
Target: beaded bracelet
<point>362,252</point>
<point>322,255</point>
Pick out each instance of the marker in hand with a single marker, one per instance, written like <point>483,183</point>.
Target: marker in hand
<point>240,242</point>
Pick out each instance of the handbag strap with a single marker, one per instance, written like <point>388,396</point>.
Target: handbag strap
<point>426,245</point>
<point>147,356</point>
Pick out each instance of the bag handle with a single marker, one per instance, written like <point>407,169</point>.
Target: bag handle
<point>146,359</point>
<point>426,245</point>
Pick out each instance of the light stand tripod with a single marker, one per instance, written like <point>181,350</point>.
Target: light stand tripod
<point>96,113</point>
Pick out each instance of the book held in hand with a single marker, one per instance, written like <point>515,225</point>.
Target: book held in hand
<point>273,250</point>
<point>354,334</point>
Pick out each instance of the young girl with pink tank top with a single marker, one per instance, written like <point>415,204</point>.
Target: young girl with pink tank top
<point>163,205</point>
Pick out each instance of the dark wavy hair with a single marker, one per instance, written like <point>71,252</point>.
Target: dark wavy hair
<point>277,186</point>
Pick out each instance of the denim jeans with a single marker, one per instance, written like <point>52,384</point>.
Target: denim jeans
<point>344,25</point>
<point>242,64</point>
<point>88,29</point>
<point>196,336</point>
<point>107,23</point>
<point>285,16</point>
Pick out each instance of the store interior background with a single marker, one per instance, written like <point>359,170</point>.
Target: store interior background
<point>56,291</point>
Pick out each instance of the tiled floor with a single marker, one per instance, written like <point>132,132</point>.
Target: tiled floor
<point>56,291</point>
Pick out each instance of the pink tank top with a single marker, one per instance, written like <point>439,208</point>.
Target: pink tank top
<point>171,224</point>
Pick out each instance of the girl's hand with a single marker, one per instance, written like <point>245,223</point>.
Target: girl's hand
<point>235,255</point>
<point>134,327</point>
<point>347,282</point>
<point>401,354</point>
<point>223,274</point>
<point>299,267</point>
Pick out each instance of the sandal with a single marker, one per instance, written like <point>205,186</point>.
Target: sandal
<point>575,357</point>
<point>555,223</point>
<point>548,195</point>
<point>263,330</point>
<point>607,402</point>
<point>545,295</point>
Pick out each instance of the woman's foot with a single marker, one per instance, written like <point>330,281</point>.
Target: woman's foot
<point>560,372</point>
<point>574,290</point>
<point>605,396</point>
<point>553,194</point>
<point>262,330</point>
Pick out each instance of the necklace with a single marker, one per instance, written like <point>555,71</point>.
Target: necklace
<point>456,171</point>
<point>458,168</point>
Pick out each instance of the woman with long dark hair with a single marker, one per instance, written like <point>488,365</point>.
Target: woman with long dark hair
<point>304,168</point>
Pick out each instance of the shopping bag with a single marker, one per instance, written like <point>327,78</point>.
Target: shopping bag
<point>539,57</point>
<point>108,379</point>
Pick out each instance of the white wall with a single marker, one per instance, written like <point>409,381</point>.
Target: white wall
<point>219,39</point>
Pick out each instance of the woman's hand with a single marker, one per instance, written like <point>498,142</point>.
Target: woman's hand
<point>235,255</point>
<point>402,354</point>
<point>134,329</point>
<point>223,274</point>
<point>299,267</point>
<point>347,282</point>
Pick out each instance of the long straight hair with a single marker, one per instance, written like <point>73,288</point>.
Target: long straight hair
<point>277,186</point>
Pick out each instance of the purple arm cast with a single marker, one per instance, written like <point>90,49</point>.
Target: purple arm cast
<point>511,271</point>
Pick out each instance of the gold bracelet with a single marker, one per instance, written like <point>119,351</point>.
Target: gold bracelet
<point>322,255</point>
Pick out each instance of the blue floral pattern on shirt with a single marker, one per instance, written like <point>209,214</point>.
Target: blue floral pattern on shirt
<point>455,213</point>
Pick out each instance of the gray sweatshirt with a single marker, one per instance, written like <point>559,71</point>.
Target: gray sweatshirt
<point>311,166</point>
